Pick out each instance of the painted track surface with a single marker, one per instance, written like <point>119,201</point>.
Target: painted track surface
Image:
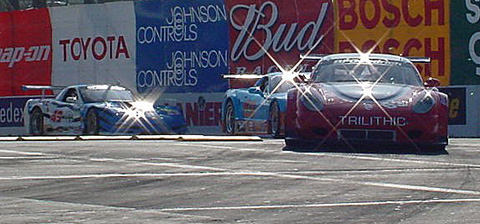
<point>233,182</point>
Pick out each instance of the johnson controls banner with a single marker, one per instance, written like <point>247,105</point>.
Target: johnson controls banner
<point>182,46</point>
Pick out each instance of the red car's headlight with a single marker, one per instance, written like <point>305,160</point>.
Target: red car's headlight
<point>312,100</point>
<point>425,104</point>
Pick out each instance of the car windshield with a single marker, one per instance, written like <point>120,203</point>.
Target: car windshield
<point>277,86</point>
<point>92,95</point>
<point>379,70</point>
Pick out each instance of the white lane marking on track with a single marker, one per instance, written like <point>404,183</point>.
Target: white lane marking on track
<point>326,205</point>
<point>247,173</point>
<point>387,185</point>
<point>23,153</point>
<point>350,156</point>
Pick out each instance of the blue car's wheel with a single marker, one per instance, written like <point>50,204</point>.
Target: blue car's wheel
<point>92,124</point>
<point>230,123</point>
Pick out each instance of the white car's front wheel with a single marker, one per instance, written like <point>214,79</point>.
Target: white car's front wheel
<point>92,124</point>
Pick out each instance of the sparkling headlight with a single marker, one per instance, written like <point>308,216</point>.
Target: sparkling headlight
<point>151,113</point>
<point>312,100</point>
<point>425,104</point>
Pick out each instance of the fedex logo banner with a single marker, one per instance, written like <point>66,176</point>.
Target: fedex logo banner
<point>192,37</point>
<point>268,34</point>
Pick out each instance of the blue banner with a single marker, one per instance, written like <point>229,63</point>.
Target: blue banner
<point>457,108</point>
<point>11,111</point>
<point>181,46</point>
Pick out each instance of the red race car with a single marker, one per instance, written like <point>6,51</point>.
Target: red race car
<point>367,99</point>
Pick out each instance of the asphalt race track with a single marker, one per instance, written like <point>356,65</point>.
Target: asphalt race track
<point>168,181</point>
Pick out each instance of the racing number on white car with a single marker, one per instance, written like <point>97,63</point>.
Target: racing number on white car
<point>57,116</point>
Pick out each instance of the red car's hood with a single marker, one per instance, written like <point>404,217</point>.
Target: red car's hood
<point>354,91</point>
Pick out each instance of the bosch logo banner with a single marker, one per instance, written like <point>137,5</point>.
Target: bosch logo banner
<point>98,48</point>
<point>193,39</point>
<point>390,25</point>
<point>12,55</point>
<point>277,28</point>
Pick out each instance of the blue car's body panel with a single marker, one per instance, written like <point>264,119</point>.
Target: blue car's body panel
<point>252,105</point>
<point>67,114</point>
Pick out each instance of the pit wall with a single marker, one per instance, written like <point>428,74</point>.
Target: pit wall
<point>178,49</point>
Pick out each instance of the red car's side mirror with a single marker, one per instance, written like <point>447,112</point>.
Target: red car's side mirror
<point>432,82</point>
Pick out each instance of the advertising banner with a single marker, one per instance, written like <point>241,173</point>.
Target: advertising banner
<point>465,42</point>
<point>265,35</point>
<point>94,44</point>
<point>182,46</point>
<point>457,114</point>
<point>11,111</point>
<point>407,27</point>
<point>25,50</point>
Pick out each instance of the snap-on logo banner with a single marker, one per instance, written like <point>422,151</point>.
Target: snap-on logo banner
<point>25,50</point>
<point>182,46</point>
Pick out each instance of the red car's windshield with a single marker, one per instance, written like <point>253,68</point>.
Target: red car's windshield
<point>346,71</point>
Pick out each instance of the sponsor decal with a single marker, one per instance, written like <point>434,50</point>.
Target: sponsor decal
<point>12,55</point>
<point>11,111</point>
<point>98,48</point>
<point>373,121</point>
<point>203,113</point>
<point>457,109</point>
<point>192,59</point>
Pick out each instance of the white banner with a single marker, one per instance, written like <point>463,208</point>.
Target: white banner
<point>94,44</point>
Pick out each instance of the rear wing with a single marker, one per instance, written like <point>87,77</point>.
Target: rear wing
<point>312,57</point>
<point>42,88</point>
<point>242,76</point>
<point>413,59</point>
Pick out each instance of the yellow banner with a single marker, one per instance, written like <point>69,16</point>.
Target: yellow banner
<point>401,27</point>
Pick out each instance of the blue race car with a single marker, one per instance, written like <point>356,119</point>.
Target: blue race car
<point>259,109</point>
<point>99,109</point>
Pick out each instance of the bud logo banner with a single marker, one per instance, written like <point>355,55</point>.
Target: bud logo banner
<point>279,29</point>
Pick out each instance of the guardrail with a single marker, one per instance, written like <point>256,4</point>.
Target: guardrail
<point>132,137</point>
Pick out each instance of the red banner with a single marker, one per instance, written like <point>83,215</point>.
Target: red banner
<point>262,32</point>
<point>25,51</point>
